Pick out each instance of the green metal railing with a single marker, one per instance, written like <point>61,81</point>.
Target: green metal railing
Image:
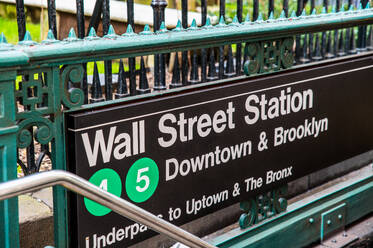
<point>113,46</point>
<point>87,189</point>
<point>38,83</point>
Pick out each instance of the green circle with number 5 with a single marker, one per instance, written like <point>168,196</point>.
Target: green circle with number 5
<point>142,180</point>
<point>108,180</point>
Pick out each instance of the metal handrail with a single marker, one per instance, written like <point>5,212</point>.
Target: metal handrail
<point>83,187</point>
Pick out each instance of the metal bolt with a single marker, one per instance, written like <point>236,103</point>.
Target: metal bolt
<point>311,220</point>
<point>329,222</point>
<point>334,241</point>
<point>339,216</point>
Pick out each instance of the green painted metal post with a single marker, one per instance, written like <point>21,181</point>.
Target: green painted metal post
<point>58,158</point>
<point>9,229</point>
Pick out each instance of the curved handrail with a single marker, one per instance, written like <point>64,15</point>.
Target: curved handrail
<point>83,187</point>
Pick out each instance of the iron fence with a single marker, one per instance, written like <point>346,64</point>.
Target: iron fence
<point>52,76</point>
<point>194,66</point>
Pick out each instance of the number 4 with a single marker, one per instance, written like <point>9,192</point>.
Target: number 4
<point>103,185</point>
<point>142,178</point>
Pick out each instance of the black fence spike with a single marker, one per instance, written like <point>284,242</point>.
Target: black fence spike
<point>238,59</point>
<point>80,18</point>
<point>221,62</point>
<point>335,43</point>
<point>310,38</point>
<point>361,41</point>
<point>285,7</point>
<point>323,44</point>
<point>162,61</point>
<point>194,78</point>
<point>81,33</point>
<point>143,85</point>
<point>108,80</point>
<point>108,64</point>
<point>347,40</point>
<point>122,90</point>
<point>352,42</point>
<point>52,16</point>
<point>159,77</point>
<point>341,47</point>
<point>96,90</point>
<point>370,39</point>
<point>255,9</point>
<point>184,54</point>
<point>271,7</point>
<point>329,53</point>
<point>203,65</point>
<point>299,7</point>
<point>221,48</point>
<point>176,77</point>
<point>211,74</point>
<point>229,67</point>
<point>204,21</point>
<point>96,15</point>
<point>131,61</point>
<point>239,45</point>
<point>317,52</point>
<point>159,59</point>
<point>203,12</point>
<point>184,67</point>
<point>21,19</point>
<point>304,57</point>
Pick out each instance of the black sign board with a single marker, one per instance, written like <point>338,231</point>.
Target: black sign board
<point>185,155</point>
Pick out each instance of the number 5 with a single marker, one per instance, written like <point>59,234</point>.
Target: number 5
<point>142,178</point>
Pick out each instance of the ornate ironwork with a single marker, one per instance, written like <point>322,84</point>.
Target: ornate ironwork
<point>35,95</point>
<point>43,132</point>
<point>73,97</point>
<point>263,206</point>
<point>268,56</point>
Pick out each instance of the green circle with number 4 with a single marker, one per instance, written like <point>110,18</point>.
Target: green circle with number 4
<point>142,180</point>
<point>108,180</point>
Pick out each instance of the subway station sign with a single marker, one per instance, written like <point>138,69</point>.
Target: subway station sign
<point>188,154</point>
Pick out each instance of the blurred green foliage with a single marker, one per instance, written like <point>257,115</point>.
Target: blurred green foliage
<point>10,29</point>
<point>8,23</point>
<point>231,8</point>
<point>8,11</point>
<point>115,66</point>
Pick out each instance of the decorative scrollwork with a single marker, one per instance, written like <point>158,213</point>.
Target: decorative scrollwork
<point>267,56</point>
<point>280,204</point>
<point>287,55</point>
<point>250,208</point>
<point>74,97</point>
<point>261,207</point>
<point>252,66</point>
<point>34,93</point>
<point>24,138</point>
<point>43,133</point>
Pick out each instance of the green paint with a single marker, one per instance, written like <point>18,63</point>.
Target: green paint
<point>30,59</point>
<point>1,106</point>
<point>333,220</point>
<point>142,180</point>
<point>9,229</point>
<point>78,51</point>
<point>108,180</point>
<point>279,231</point>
